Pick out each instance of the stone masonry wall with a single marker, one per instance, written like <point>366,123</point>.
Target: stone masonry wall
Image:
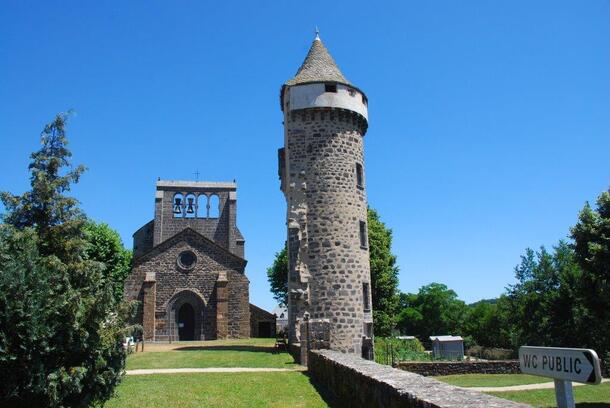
<point>239,306</point>
<point>434,368</point>
<point>172,283</point>
<point>328,264</point>
<point>143,239</point>
<point>361,383</point>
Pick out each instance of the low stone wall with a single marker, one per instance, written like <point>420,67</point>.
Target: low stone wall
<point>295,351</point>
<point>434,368</point>
<point>361,383</point>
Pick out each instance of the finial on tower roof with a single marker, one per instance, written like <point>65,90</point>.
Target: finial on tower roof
<point>317,34</point>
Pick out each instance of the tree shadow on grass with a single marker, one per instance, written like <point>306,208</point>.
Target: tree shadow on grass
<point>329,398</point>
<point>258,349</point>
<point>593,405</point>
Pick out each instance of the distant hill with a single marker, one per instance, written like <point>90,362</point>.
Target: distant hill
<point>489,301</point>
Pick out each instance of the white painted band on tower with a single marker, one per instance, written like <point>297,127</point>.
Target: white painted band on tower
<point>315,96</point>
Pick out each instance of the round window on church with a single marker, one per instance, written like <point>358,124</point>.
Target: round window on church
<point>187,260</point>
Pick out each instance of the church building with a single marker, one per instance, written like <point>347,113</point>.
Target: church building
<point>189,269</point>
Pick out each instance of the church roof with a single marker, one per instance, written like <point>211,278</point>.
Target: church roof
<point>261,311</point>
<point>319,66</point>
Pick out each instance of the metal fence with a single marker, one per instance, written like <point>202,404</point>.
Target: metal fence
<point>386,354</point>
<point>391,354</point>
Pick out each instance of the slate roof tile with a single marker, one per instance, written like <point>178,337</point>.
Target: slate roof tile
<point>319,66</point>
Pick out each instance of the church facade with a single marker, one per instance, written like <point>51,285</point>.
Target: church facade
<point>189,269</point>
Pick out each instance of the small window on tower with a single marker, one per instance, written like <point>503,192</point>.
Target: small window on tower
<point>366,297</point>
<point>364,100</point>
<point>363,234</point>
<point>330,88</point>
<point>359,176</point>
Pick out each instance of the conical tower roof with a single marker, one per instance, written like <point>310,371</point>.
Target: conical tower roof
<point>318,66</point>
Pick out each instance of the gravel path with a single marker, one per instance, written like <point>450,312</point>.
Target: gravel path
<point>539,386</point>
<point>209,370</point>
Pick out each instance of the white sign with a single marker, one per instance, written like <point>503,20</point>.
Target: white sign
<point>567,364</point>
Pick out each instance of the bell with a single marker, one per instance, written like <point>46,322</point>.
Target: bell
<point>190,208</point>
<point>177,206</point>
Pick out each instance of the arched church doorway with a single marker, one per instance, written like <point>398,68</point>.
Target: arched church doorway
<point>185,315</point>
<point>186,322</point>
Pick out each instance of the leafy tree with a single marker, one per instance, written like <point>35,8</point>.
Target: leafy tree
<point>505,335</point>
<point>562,296</point>
<point>410,318</point>
<point>434,310</point>
<point>486,324</point>
<point>478,322</point>
<point>544,307</point>
<point>384,275</point>
<point>105,246</point>
<point>591,236</point>
<point>277,274</point>
<point>60,329</point>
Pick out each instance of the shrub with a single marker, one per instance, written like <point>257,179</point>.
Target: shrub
<point>60,345</point>
<point>390,350</point>
<point>491,353</point>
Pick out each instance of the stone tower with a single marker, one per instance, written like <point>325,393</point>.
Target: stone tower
<point>321,169</point>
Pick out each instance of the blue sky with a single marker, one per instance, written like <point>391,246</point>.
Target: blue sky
<point>489,121</point>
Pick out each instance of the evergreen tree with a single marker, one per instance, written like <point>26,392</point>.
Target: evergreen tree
<point>60,329</point>
<point>56,218</point>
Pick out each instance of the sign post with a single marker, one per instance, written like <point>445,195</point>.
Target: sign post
<point>564,365</point>
<point>564,394</point>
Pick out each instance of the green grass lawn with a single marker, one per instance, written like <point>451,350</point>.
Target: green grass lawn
<point>587,396</point>
<point>283,389</point>
<point>491,380</point>
<point>211,357</point>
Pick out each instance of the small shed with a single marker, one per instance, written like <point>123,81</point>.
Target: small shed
<point>447,347</point>
<point>262,323</point>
